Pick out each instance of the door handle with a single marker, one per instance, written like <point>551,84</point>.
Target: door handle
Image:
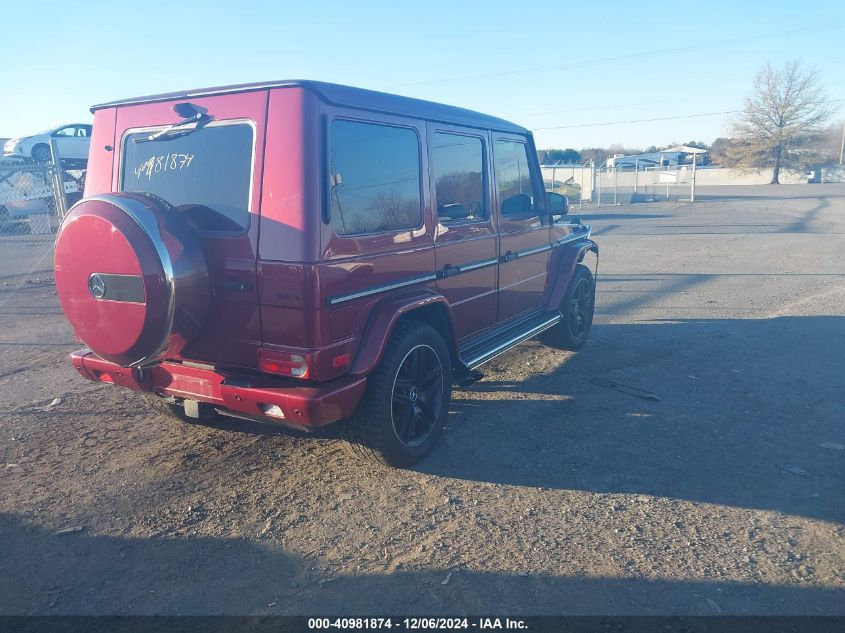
<point>510,255</point>
<point>449,271</point>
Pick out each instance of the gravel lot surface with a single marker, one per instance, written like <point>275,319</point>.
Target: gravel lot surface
<point>550,492</point>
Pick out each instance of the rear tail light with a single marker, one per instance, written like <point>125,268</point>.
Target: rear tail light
<point>283,363</point>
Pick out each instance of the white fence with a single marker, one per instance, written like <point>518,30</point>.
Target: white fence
<point>623,185</point>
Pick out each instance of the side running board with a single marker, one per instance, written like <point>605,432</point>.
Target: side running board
<point>486,348</point>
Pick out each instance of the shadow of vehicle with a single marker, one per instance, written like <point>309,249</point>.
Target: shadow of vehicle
<point>743,408</point>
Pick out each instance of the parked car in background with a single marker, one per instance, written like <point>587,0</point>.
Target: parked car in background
<point>303,253</point>
<point>568,188</point>
<point>73,142</point>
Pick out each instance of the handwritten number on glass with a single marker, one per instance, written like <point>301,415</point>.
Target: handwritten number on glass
<point>165,162</point>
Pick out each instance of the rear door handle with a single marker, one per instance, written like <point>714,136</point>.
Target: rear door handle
<point>234,286</point>
<point>507,257</point>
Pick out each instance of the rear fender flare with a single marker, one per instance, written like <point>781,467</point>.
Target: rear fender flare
<point>387,313</point>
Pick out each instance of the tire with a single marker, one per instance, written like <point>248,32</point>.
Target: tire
<point>41,153</point>
<point>406,401</point>
<point>163,407</point>
<point>577,308</point>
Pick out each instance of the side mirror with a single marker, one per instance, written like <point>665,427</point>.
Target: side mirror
<point>558,204</point>
<point>518,204</point>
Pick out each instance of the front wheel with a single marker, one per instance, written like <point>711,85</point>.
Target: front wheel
<point>407,399</point>
<point>577,311</point>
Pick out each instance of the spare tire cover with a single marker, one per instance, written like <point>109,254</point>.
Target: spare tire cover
<point>131,277</point>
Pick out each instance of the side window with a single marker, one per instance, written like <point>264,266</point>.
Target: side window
<point>458,168</point>
<point>374,178</point>
<point>65,131</point>
<point>513,178</point>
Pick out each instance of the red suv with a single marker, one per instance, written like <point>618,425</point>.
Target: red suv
<point>301,253</point>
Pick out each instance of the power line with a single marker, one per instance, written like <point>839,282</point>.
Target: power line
<point>625,57</point>
<point>615,106</point>
<point>665,118</point>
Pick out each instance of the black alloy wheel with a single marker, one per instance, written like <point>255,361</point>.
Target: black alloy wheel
<point>406,400</point>
<point>576,311</point>
<point>580,306</point>
<point>417,395</point>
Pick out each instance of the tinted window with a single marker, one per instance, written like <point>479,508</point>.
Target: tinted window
<point>458,163</point>
<point>205,174</point>
<point>513,178</point>
<point>374,178</point>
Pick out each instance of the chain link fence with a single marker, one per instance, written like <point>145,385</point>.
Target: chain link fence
<point>600,185</point>
<point>33,199</point>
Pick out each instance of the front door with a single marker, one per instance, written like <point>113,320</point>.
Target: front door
<point>523,230</point>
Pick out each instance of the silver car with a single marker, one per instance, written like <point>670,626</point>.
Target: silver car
<point>73,142</point>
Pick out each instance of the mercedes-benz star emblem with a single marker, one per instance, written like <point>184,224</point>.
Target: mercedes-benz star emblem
<point>96,286</point>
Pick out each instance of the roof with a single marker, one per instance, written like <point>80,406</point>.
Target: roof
<point>346,96</point>
<point>650,157</point>
<point>685,149</point>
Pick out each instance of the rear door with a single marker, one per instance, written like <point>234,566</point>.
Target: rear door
<point>523,229</point>
<point>465,240</point>
<point>212,176</point>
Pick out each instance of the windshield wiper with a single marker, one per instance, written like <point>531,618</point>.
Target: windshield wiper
<point>190,114</point>
<point>166,133</point>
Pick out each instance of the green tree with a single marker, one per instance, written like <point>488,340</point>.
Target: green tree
<point>571,155</point>
<point>781,119</point>
<point>596,154</point>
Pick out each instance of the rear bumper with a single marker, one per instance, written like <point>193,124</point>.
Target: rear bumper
<point>305,405</point>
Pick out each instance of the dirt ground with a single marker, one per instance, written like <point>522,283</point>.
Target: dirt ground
<point>550,493</point>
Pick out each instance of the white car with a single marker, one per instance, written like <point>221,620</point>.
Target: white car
<point>73,142</point>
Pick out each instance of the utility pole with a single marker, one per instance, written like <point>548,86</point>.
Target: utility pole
<point>842,148</point>
<point>692,190</point>
<point>615,183</point>
<point>601,167</point>
<point>636,173</point>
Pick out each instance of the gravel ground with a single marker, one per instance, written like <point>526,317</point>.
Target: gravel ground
<point>550,493</point>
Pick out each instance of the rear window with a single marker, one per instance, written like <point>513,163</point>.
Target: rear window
<point>205,174</point>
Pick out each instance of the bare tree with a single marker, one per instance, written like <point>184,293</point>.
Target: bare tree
<point>781,117</point>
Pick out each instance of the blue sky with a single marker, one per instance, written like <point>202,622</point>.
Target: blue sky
<point>543,65</point>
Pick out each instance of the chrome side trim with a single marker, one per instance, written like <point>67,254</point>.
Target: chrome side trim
<point>575,235</point>
<point>463,268</point>
<point>501,348</point>
<point>333,301</point>
<point>534,251</point>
